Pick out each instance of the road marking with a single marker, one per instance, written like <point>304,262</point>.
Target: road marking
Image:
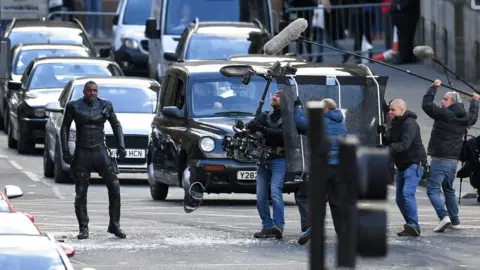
<point>57,193</point>
<point>77,262</point>
<point>30,175</point>
<point>15,165</point>
<point>3,156</point>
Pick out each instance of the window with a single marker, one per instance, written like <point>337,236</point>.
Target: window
<point>25,57</point>
<point>29,35</point>
<point>169,90</point>
<point>216,47</point>
<point>136,12</point>
<point>64,96</point>
<point>180,94</point>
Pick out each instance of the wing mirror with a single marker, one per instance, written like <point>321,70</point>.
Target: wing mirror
<point>54,107</point>
<point>13,191</point>
<point>169,56</point>
<point>172,111</point>
<point>13,85</point>
<point>151,31</point>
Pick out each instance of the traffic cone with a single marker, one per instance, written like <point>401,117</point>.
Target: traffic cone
<point>388,55</point>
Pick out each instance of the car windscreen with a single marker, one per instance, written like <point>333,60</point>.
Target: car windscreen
<point>214,47</point>
<point>17,223</point>
<point>4,207</point>
<point>180,13</point>
<point>58,35</point>
<point>125,99</point>
<point>30,258</point>
<point>137,12</point>
<point>25,57</point>
<point>223,96</point>
<point>57,75</point>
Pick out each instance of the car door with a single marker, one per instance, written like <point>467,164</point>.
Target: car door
<point>16,97</point>
<point>55,120</point>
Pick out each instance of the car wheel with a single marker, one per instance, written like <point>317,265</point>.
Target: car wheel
<point>12,143</point>
<point>158,191</point>
<point>24,145</point>
<point>60,176</point>
<point>6,123</point>
<point>48,164</point>
<point>2,123</point>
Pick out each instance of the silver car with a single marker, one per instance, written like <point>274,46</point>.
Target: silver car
<point>135,102</point>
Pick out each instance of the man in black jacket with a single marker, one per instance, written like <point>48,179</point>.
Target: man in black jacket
<point>271,172</point>
<point>90,114</point>
<point>444,147</point>
<point>405,144</point>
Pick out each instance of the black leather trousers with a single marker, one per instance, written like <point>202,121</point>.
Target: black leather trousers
<point>84,162</point>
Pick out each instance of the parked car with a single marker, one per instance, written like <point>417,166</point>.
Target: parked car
<point>22,55</point>
<point>42,82</point>
<point>26,251</point>
<point>188,131</point>
<point>11,192</point>
<point>135,102</point>
<point>213,41</point>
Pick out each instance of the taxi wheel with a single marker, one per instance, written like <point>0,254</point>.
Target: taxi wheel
<point>48,164</point>
<point>5,121</point>
<point>12,143</point>
<point>24,145</point>
<point>2,126</point>
<point>159,191</point>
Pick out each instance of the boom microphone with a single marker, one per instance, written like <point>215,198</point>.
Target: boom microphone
<point>426,52</point>
<point>285,37</point>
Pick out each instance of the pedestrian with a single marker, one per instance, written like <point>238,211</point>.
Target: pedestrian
<point>91,154</point>
<point>404,141</point>
<point>271,171</point>
<point>405,16</point>
<point>446,141</point>
<point>94,22</point>
<point>334,128</point>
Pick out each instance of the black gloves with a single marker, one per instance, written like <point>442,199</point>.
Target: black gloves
<point>121,153</point>
<point>67,158</point>
<point>297,103</point>
<point>255,126</point>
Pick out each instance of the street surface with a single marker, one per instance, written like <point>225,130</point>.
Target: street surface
<point>219,235</point>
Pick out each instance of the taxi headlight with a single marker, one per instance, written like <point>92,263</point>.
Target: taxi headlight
<point>130,43</point>
<point>207,144</point>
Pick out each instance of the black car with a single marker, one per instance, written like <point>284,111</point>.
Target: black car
<point>42,82</point>
<point>134,100</point>
<point>23,54</point>
<point>45,31</point>
<point>214,41</point>
<point>187,136</point>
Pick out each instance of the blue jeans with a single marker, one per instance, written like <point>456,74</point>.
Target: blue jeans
<point>442,175</point>
<point>271,175</point>
<point>407,183</point>
<point>93,22</point>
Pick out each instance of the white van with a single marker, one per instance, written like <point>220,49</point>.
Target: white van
<point>170,17</point>
<point>129,44</point>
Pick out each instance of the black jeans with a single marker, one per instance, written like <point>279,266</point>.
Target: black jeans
<point>84,162</point>
<point>335,191</point>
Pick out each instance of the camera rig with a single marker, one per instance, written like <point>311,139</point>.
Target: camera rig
<point>246,146</point>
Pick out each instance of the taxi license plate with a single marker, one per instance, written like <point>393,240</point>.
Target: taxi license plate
<point>131,153</point>
<point>247,175</point>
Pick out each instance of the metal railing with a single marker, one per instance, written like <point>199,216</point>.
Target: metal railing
<point>359,28</point>
<point>94,22</point>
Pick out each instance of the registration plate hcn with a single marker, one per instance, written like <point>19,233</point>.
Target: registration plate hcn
<point>247,175</point>
<point>131,153</point>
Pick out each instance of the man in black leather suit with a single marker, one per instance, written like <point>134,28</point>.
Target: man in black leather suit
<point>90,114</point>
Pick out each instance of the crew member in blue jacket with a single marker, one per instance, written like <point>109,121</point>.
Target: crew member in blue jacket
<point>334,128</point>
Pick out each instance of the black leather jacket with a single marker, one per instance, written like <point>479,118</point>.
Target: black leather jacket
<point>89,120</point>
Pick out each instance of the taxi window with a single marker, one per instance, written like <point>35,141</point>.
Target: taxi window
<point>4,207</point>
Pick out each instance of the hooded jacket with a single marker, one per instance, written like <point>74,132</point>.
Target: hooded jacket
<point>334,127</point>
<point>405,141</point>
<point>446,139</point>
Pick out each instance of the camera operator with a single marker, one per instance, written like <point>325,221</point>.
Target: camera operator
<point>444,147</point>
<point>271,171</point>
<point>334,128</point>
<point>404,141</point>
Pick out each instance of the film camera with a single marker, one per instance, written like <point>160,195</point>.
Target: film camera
<point>245,146</point>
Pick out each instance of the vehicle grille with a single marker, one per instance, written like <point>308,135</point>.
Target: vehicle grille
<point>131,142</point>
<point>144,44</point>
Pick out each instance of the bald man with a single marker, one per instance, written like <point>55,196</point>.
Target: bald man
<point>405,144</point>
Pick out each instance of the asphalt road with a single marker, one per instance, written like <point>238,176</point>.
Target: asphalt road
<point>219,235</point>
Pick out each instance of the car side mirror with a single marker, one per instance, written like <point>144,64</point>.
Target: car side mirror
<point>13,85</point>
<point>169,56</point>
<point>115,20</point>
<point>105,52</point>
<point>172,111</point>
<point>54,107</point>
<point>151,31</point>
<point>13,191</point>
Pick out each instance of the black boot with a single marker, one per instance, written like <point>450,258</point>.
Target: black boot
<point>117,231</point>
<point>81,212</point>
<point>114,210</point>
<point>83,234</point>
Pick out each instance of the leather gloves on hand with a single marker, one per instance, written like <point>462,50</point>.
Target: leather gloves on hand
<point>255,126</point>
<point>121,153</point>
<point>67,158</point>
<point>297,103</point>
